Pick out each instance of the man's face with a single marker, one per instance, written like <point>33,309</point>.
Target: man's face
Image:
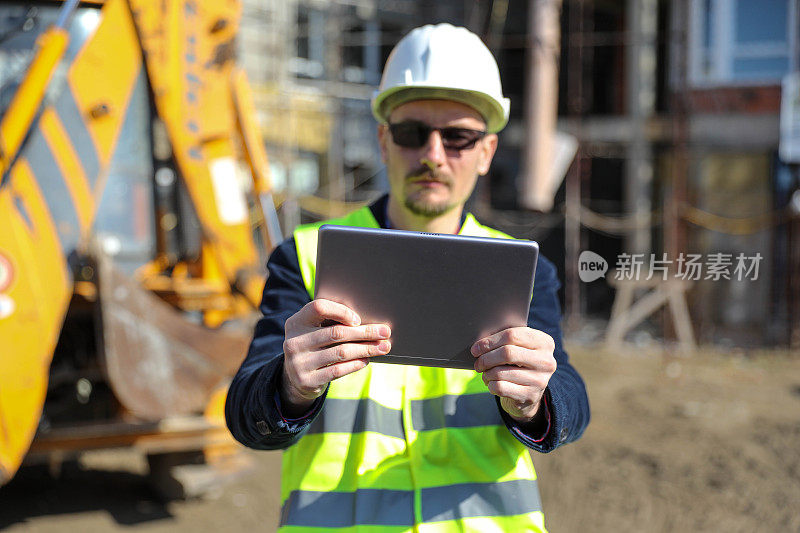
<point>432,180</point>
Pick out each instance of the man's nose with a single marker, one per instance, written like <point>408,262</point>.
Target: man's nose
<point>434,154</point>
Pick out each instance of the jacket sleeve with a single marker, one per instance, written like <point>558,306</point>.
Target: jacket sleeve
<point>566,402</point>
<point>252,408</point>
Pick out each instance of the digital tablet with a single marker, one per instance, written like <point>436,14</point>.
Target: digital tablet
<point>439,293</point>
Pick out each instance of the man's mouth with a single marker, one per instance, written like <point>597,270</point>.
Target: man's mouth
<point>429,182</point>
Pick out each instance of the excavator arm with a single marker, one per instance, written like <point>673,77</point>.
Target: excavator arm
<point>59,147</point>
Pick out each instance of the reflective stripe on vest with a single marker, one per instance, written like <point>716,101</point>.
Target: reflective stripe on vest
<point>358,416</point>
<point>398,447</point>
<point>455,411</point>
<point>395,507</point>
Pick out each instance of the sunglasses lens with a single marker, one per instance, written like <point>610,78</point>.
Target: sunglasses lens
<point>415,135</point>
<point>459,138</point>
<point>410,134</point>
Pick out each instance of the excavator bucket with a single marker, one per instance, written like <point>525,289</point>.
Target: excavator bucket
<point>158,363</point>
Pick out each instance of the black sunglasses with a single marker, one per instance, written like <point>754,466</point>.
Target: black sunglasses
<point>413,134</point>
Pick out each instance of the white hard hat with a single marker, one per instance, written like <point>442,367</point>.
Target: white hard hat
<point>442,62</point>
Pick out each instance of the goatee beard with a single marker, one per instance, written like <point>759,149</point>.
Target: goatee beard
<point>423,208</point>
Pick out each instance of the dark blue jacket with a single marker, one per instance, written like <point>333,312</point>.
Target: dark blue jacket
<point>252,408</point>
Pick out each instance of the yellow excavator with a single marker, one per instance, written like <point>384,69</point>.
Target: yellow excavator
<point>135,219</point>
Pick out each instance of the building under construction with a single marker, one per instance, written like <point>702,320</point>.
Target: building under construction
<point>676,110</point>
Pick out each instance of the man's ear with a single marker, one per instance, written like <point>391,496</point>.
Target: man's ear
<point>488,146</point>
<point>383,132</point>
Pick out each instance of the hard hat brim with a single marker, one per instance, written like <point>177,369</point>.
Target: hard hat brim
<point>494,113</point>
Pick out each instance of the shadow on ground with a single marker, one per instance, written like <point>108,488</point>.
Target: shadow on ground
<point>35,493</point>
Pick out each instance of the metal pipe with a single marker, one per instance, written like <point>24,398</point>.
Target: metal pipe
<point>66,12</point>
<point>541,106</point>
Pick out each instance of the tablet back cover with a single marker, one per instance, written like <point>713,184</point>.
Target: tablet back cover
<point>439,293</point>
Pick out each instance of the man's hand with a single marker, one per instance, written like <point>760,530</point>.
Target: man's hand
<point>516,365</point>
<point>325,341</point>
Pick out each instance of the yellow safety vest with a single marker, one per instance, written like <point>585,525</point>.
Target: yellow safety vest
<point>406,448</point>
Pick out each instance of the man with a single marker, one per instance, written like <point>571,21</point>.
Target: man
<point>396,447</point>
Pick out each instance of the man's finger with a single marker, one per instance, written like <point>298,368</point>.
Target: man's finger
<point>504,356</point>
<point>519,394</point>
<point>350,351</point>
<point>540,360</point>
<point>338,370</point>
<point>513,374</point>
<point>318,311</point>
<point>327,336</point>
<point>521,336</point>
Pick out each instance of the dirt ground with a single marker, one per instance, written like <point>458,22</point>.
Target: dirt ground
<point>703,443</point>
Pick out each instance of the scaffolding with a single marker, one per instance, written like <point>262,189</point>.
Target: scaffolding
<point>657,150</point>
